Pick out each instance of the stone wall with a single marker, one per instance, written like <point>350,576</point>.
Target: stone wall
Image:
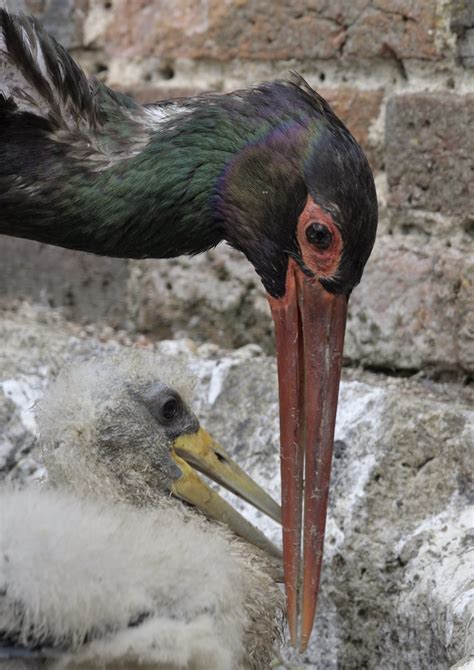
<point>401,75</point>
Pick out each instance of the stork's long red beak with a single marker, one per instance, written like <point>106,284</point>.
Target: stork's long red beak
<point>309,329</point>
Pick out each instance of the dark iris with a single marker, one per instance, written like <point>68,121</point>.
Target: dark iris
<point>170,409</point>
<point>319,235</point>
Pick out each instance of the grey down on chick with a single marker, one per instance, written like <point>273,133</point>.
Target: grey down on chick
<point>102,566</point>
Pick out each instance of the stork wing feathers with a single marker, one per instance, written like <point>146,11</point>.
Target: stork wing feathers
<point>38,77</point>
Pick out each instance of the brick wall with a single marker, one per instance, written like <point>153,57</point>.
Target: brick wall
<point>400,73</point>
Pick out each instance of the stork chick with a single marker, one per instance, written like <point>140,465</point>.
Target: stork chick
<point>102,567</point>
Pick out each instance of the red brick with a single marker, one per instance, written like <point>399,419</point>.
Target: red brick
<point>222,31</point>
<point>397,29</point>
<point>265,30</point>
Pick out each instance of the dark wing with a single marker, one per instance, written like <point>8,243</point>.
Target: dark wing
<point>11,646</point>
<point>42,86</point>
<point>19,641</point>
<point>10,651</point>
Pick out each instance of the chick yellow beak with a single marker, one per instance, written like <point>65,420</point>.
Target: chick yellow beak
<point>200,452</point>
<point>207,456</point>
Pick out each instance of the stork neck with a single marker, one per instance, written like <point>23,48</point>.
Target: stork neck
<point>155,204</point>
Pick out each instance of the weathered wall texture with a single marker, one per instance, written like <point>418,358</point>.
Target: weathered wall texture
<point>401,75</point>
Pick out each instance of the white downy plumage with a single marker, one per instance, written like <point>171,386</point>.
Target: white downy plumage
<point>97,569</point>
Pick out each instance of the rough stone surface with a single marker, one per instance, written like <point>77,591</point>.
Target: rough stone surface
<point>413,309</point>
<point>252,29</point>
<point>430,153</point>
<point>216,296</point>
<point>395,590</point>
<point>85,286</point>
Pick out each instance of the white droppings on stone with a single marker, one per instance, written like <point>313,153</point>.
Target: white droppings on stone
<point>439,526</point>
<point>441,571</point>
<point>359,405</point>
<point>357,401</point>
<point>6,450</point>
<point>218,377</point>
<point>40,474</point>
<point>24,392</point>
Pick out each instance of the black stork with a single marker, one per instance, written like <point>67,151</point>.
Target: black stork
<point>271,170</point>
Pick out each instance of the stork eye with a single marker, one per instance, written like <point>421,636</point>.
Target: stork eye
<point>319,236</point>
<point>170,409</point>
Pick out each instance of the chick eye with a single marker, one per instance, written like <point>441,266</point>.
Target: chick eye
<point>319,236</point>
<point>170,409</point>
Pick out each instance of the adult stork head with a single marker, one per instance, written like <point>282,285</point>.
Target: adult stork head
<point>299,201</point>
<point>271,170</point>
